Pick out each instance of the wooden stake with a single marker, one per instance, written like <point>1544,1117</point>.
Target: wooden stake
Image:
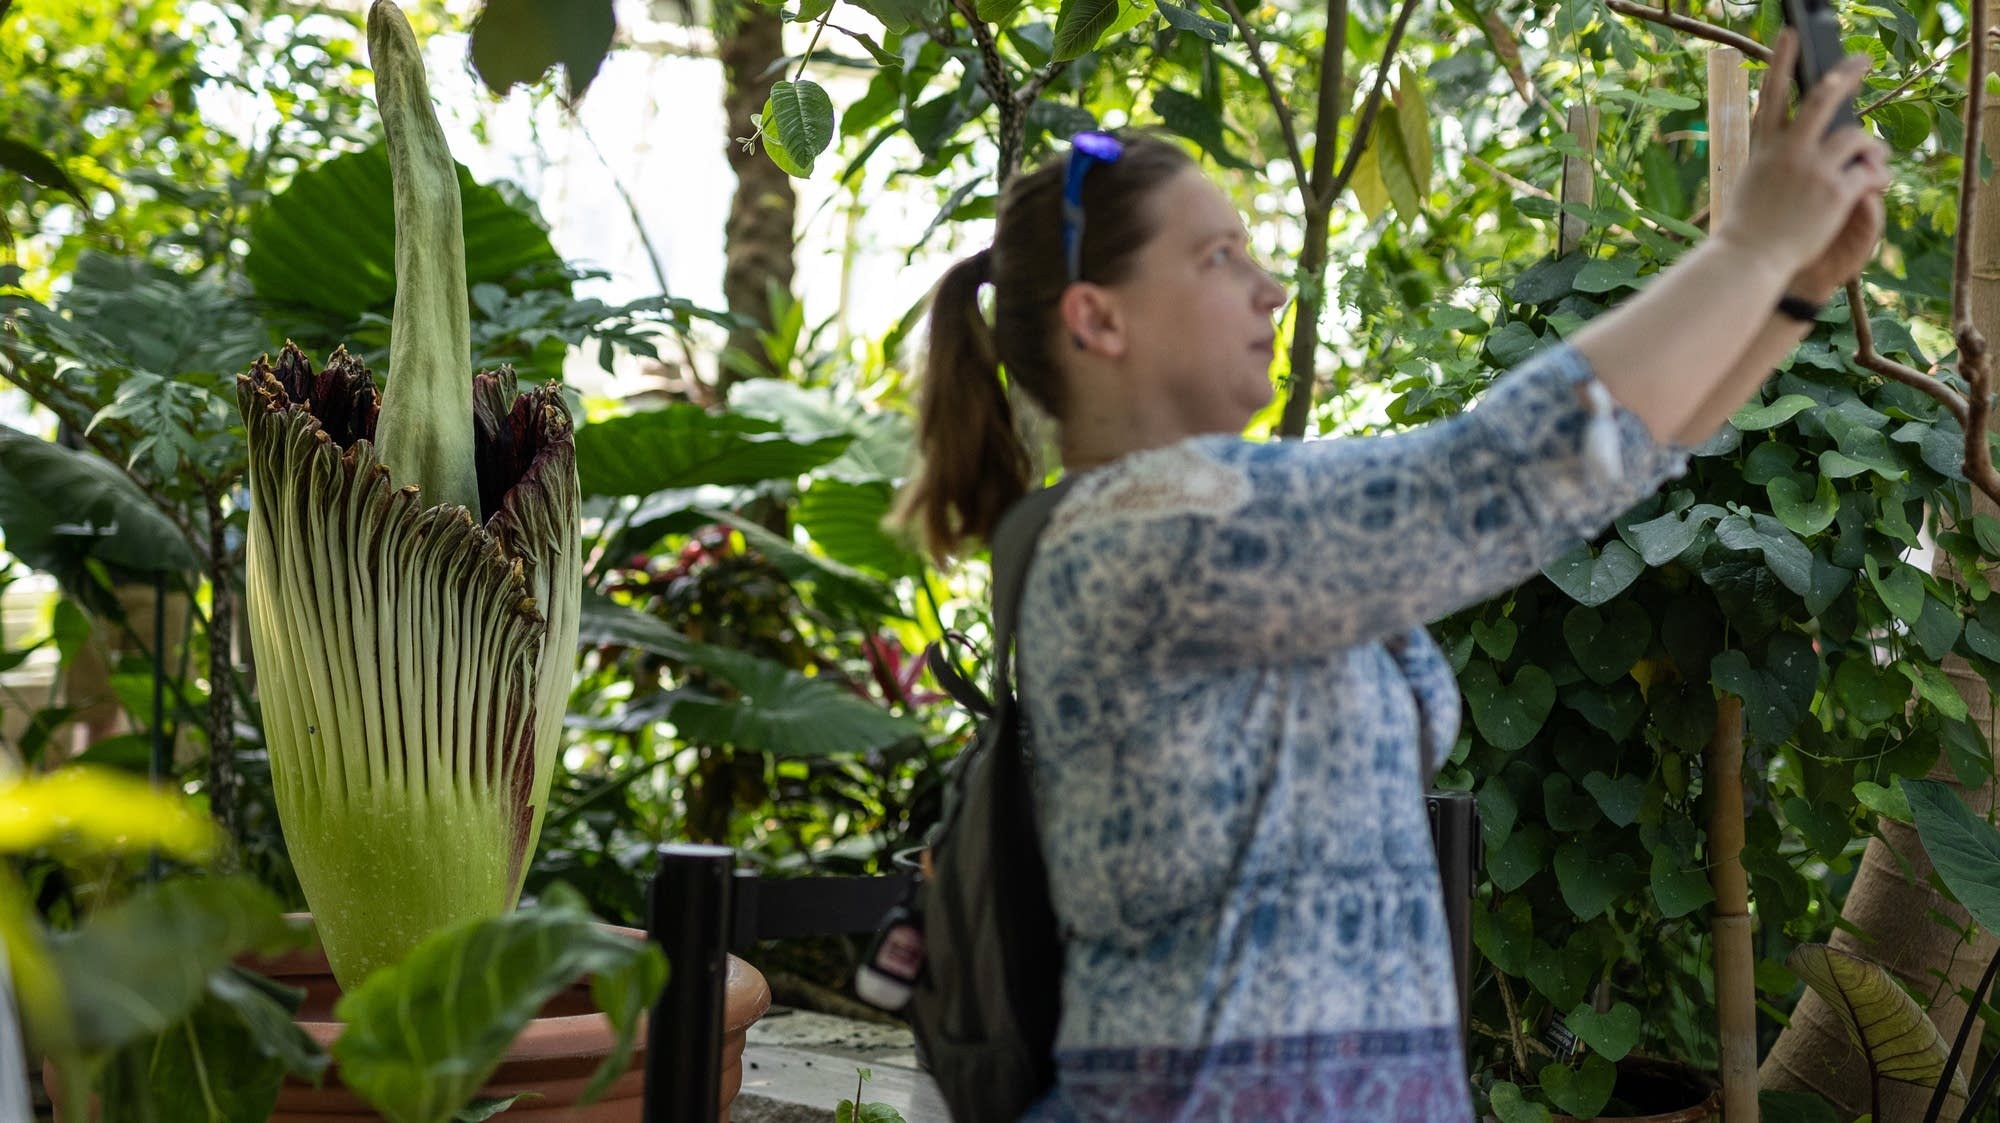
<point>1735,954</point>
<point>1579,177</point>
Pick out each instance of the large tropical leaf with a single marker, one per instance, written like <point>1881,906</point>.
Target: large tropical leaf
<point>59,507</point>
<point>838,585</point>
<point>423,1035</point>
<point>140,966</point>
<point>1899,1041</point>
<point>223,1064</point>
<point>780,711</point>
<point>846,520</point>
<point>517,41</point>
<point>328,241</point>
<point>685,445</point>
<point>1964,848</point>
<point>883,439</point>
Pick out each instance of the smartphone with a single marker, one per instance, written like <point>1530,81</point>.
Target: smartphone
<point>1819,50</point>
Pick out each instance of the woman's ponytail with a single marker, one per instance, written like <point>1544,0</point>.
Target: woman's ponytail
<point>971,463</point>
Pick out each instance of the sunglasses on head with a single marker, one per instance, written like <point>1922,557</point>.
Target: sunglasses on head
<point>1085,151</point>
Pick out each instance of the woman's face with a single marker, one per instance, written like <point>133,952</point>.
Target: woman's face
<point>1199,308</point>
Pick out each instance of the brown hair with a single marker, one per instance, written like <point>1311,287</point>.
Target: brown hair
<point>972,462</point>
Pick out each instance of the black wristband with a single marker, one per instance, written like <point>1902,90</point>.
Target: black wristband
<point>1799,308</point>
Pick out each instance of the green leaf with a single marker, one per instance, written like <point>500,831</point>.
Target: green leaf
<point>1080,24</point>
<point>517,41</point>
<point>1606,643</point>
<point>1777,695</point>
<point>1565,976</point>
<point>1591,879</point>
<point>1606,274</point>
<point>1397,166</point>
<point>210,1067</point>
<point>37,167</point>
<point>845,520</point>
<point>1582,1091</point>
<point>798,123</point>
<point>1611,1034</point>
<point>60,508</point>
<point>1521,857</point>
<point>1823,826</point>
<point>1888,802</point>
<point>1935,687</point>
<point>838,585</point>
<point>1756,418</point>
<point>1194,119</point>
<point>1964,847</point>
<point>480,1110</point>
<point>1567,808</point>
<point>1663,539</point>
<point>1495,639</point>
<point>1508,716</point>
<point>1189,20</point>
<point>1506,935</point>
<point>778,711</point>
<point>1899,1040</point>
<point>1620,798</point>
<point>423,1035</point>
<point>1592,578</point>
<point>1870,694</point>
<point>685,445</point>
<point>1967,752</point>
<point>327,241</point>
<point>1801,513</point>
<point>1795,1107</point>
<point>1512,1107</point>
<point>1901,589</point>
<point>1677,889</point>
<point>138,967</point>
<point>1786,556</point>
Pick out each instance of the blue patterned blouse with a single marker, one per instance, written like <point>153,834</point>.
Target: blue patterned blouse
<point>1228,687</point>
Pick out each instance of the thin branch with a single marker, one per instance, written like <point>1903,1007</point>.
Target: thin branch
<point>1691,26</point>
<point>818,30</point>
<point>1033,87</point>
<point>1514,1034</point>
<point>1905,84</point>
<point>1866,357</point>
<point>1373,105</point>
<point>1276,94</point>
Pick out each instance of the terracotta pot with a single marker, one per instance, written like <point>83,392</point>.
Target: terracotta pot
<point>554,1055</point>
<point>1675,1092</point>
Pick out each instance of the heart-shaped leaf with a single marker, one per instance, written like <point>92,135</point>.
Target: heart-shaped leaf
<point>1495,639</point>
<point>1522,856</point>
<point>1802,512</point>
<point>1824,826</point>
<point>1513,1107</point>
<point>1567,807</point>
<point>1611,1034</point>
<point>1663,539</point>
<point>1616,709</point>
<point>1593,577</point>
<point>1620,798</point>
<point>1677,889</point>
<point>1755,418</point>
<point>1591,879</point>
<point>1899,1041</point>
<point>1787,557</point>
<point>1564,976</point>
<point>1508,716</point>
<point>1607,641</point>
<point>1582,1091</point>
<point>1506,935</point>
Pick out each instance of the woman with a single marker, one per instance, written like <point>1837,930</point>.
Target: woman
<point>1232,700</point>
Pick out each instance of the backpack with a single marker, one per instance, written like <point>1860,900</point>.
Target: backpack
<point>985,1002</point>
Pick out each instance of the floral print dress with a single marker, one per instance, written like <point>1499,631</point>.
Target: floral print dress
<point>1232,702</point>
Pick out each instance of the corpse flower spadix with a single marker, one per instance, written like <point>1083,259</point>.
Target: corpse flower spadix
<point>414,656</point>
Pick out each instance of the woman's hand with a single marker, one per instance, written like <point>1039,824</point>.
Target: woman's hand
<point>1809,203</point>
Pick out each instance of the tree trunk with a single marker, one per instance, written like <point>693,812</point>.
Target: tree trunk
<point>758,237</point>
<point>1888,904</point>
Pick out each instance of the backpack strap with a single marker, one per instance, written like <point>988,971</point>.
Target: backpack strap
<point>1014,543</point>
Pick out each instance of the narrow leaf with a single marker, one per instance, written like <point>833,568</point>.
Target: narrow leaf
<point>1079,25</point>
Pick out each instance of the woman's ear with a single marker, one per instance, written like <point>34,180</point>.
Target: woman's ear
<point>1092,320</point>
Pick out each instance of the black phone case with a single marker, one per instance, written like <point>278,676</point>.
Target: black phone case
<point>1820,50</point>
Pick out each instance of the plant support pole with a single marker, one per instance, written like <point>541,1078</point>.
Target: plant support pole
<point>1735,955</point>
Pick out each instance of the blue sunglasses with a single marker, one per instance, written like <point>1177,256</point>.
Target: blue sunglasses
<point>1085,151</point>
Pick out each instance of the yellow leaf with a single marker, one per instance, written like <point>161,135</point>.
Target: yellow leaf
<point>99,810</point>
<point>1369,192</point>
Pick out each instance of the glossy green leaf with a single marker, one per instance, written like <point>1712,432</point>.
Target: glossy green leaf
<point>138,967</point>
<point>1594,577</point>
<point>1610,1034</point>
<point>1497,638</point>
<point>422,1036</point>
<point>1665,538</point>
<point>1824,826</point>
<point>1887,801</point>
<point>1193,22</point>
<point>1080,24</point>
<point>1509,715</point>
<point>60,508</point>
<point>1756,418</point>
<point>1564,976</point>
<point>845,520</point>
<point>1787,557</point>
<point>777,710</point>
<point>1899,1041</point>
<point>1963,847</point>
<point>1524,854</point>
<point>1582,1091</point>
<point>1606,642</point>
<point>1591,878</point>
<point>327,241</point>
<point>798,125</point>
<point>1567,807</point>
<point>1776,695</point>
<point>514,42</point>
<point>1678,889</point>
<point>1506,935</point>
<point>1901,587</point>
<point>1934,687</point>
<point>685,445</point>
<point>1802,513</point>
<point>1620,798</point>
<point>839,586</point>
<point>1513,1107</point>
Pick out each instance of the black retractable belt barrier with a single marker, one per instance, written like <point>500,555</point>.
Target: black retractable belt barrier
<point>688,916</point>
<point>1455,832</point>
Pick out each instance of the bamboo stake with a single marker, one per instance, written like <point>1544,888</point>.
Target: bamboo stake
<point>1735,955</point>
<point>1579,182</point>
